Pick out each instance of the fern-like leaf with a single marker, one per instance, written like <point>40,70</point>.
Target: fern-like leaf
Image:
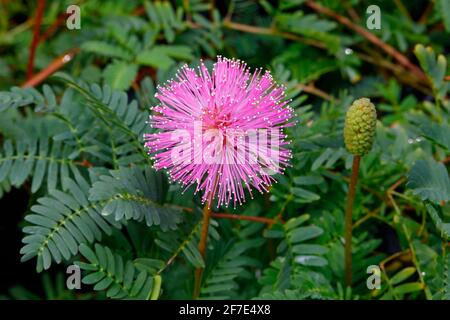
<point>60,222</point>
<point>107,271</point>
<point>429,180</point>
<point>20,97</point>
<point>220,282</point>
<point>133,193</point>
<point>185,241</point>
<point>36,157</point>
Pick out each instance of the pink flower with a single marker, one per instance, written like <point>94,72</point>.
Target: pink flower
<point>221,130</point>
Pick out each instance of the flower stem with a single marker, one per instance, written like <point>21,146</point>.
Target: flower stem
<point>348,221</point>
<point>202,247</point>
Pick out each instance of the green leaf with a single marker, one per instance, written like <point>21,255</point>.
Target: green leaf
<point>311,26</point>
<point>293,223</point>
<point>155,57</point>
<point>304,196</point>
<point>305,233</point>
<point>437,133</point>
<point>408,288</point>
<point>444,9</point>
<point>103,284</point>
<point>308,180</point>
<point>313,261</point>
<point>435,69</point>
<point>105,49</point>
<point>88,253</point>
<point>63,221</point>
<point>94,277</point>
<point>442,227</point>
<point>135,194</point>
<point>309,249</point>
<point>183,242</point>
<point>120,75</point>
<point>429,180</point>
<point>178,52</point>
<point>220,282</point>
<point>307,64</point>
<point>149,265</point>
<point>108,272</point>
<point>402,275</point>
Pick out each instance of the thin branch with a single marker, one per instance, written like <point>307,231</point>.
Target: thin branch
<point>139,11</point>
<point>186,7</point>
<point>243,217</point>
<point>19,28</point>
<point>396,185</point>
<point>398,70</point>
<point>370,214</point>
<point>390,191</point>
<point>211,9</point>
<point>401,58</point>
<point>271,32</point>
<point>54,66</point>
<point>54,26</point>
<point>311,89</point>
<point>396,255</point>
<point>352,12</point>
<point>35,40</point>
<point>401,7</point>
<point>402,74</point>
<point>426,13</point>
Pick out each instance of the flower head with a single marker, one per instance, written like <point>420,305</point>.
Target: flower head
<point>221,130</point>
<point>360,126</point>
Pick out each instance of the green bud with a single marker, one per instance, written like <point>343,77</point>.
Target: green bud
<point>360,125</point>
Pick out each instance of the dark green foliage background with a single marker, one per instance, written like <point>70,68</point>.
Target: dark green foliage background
<point>76,180</point>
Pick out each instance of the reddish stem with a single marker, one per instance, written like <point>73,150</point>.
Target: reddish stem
<point>271,32</point>
<point>55,65</point>
<point>401,58</point>
<point>202,248</point>
<point>204,239</point>
<point>348,221</point>
<point>243,217</point>
<point>36,34</point>
<point>54,26</point>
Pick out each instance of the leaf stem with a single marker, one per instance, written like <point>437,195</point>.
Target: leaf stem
<point>348,221</point>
